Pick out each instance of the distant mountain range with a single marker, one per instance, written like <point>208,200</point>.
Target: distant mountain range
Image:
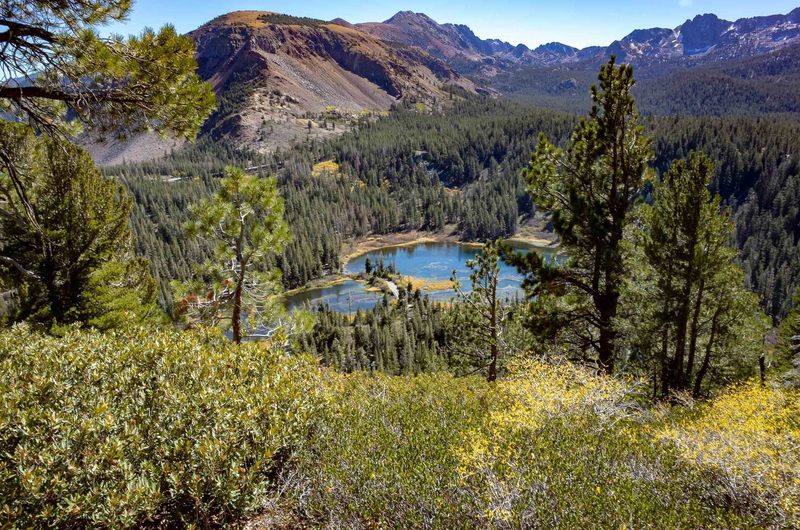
<point>282,79</point>
<point>703,38</point>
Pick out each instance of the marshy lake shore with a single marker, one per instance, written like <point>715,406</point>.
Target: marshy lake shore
<point>354,249</point>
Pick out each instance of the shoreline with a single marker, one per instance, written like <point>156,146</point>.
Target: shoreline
<point>320,283</point>
<point>354,249</point>
<point>358,248</point>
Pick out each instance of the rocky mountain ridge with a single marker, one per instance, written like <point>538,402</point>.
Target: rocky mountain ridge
<point>303,76</point>
<point>705,37</point>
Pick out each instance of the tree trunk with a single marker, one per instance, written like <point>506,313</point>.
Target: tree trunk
<point>665,362</point>
<point>698,382</point>
<point>606,353</point>
<point>694,332</point>
<point>682,321</point>
<point>236,314</point>
<point>608,311</point>
<point>681,330</point>
<point>492,375</point>
<point>668,295</point>
<point>608,300</point>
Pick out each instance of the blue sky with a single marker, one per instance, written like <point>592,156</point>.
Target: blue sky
<point>532,22</point>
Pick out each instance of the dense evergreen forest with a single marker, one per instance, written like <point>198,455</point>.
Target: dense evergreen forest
<point>418,170</point>
<point>401,339</point>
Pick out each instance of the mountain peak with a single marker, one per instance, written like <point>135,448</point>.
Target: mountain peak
<point>706,21</point>
<point>409,16</point>
<point>703,37</point>
<point>240,18</point>
<point>705,17</point>
<point>341,22</point>
<point>702,32</point>
<point>556,48</point>
<point>298,66</point>
<point>642,35</point>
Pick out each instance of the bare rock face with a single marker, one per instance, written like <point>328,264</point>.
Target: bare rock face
<point>296,78</point>
<point>281,80</point>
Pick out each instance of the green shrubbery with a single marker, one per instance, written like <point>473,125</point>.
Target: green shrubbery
<point>143,428</point>
<point>547,447</point>
<point>385,452</point>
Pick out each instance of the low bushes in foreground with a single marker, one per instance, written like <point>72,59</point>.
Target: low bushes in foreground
<point>143,428</point>
<point>384,455</point>
<point>749,440</point>
<point>164,429</point>
<point>564,448</point>
<point>547,447</point>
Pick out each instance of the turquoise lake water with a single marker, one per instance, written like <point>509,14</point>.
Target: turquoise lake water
<point>429,261</point>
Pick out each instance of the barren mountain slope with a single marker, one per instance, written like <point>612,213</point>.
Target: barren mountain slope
<point>297,78</point>
<point>282,79</point>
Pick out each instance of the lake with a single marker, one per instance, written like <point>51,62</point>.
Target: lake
<point>427,261</point>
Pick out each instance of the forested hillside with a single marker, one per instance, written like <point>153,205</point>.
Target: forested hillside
<point>766,84</point>
<point>420,170</point>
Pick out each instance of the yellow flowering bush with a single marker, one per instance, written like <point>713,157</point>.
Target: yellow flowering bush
<point>548,447</point>
<point>326,167</point>
<point>141,427</point>
<point>564,448</point>
<point>750,438</point>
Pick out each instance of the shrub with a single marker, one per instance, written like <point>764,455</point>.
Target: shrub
<point>383,456</point>
<point>548,447</point>
<point>141,428</point>
<point>749,437</point>
<point>138,428</point>
<point>564,448</point>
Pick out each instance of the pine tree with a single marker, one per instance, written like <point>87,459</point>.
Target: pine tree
<point>590,188</point>
<point>244,223</point>
<point>113,84</point>
<point>698,289</point>
<point>480,320</point>
<point>65,241</point>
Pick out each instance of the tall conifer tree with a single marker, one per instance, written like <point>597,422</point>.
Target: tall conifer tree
<point>698,288</point>
<point>63,230</point>
<point>591,188</point>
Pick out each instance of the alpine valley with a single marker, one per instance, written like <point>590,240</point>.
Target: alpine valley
<point>363,103</point>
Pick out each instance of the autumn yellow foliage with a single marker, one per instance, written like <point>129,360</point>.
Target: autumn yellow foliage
<point>330,167</point>
<point>749,436</point>
<point>426,284</point>
<point>550,446</point>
